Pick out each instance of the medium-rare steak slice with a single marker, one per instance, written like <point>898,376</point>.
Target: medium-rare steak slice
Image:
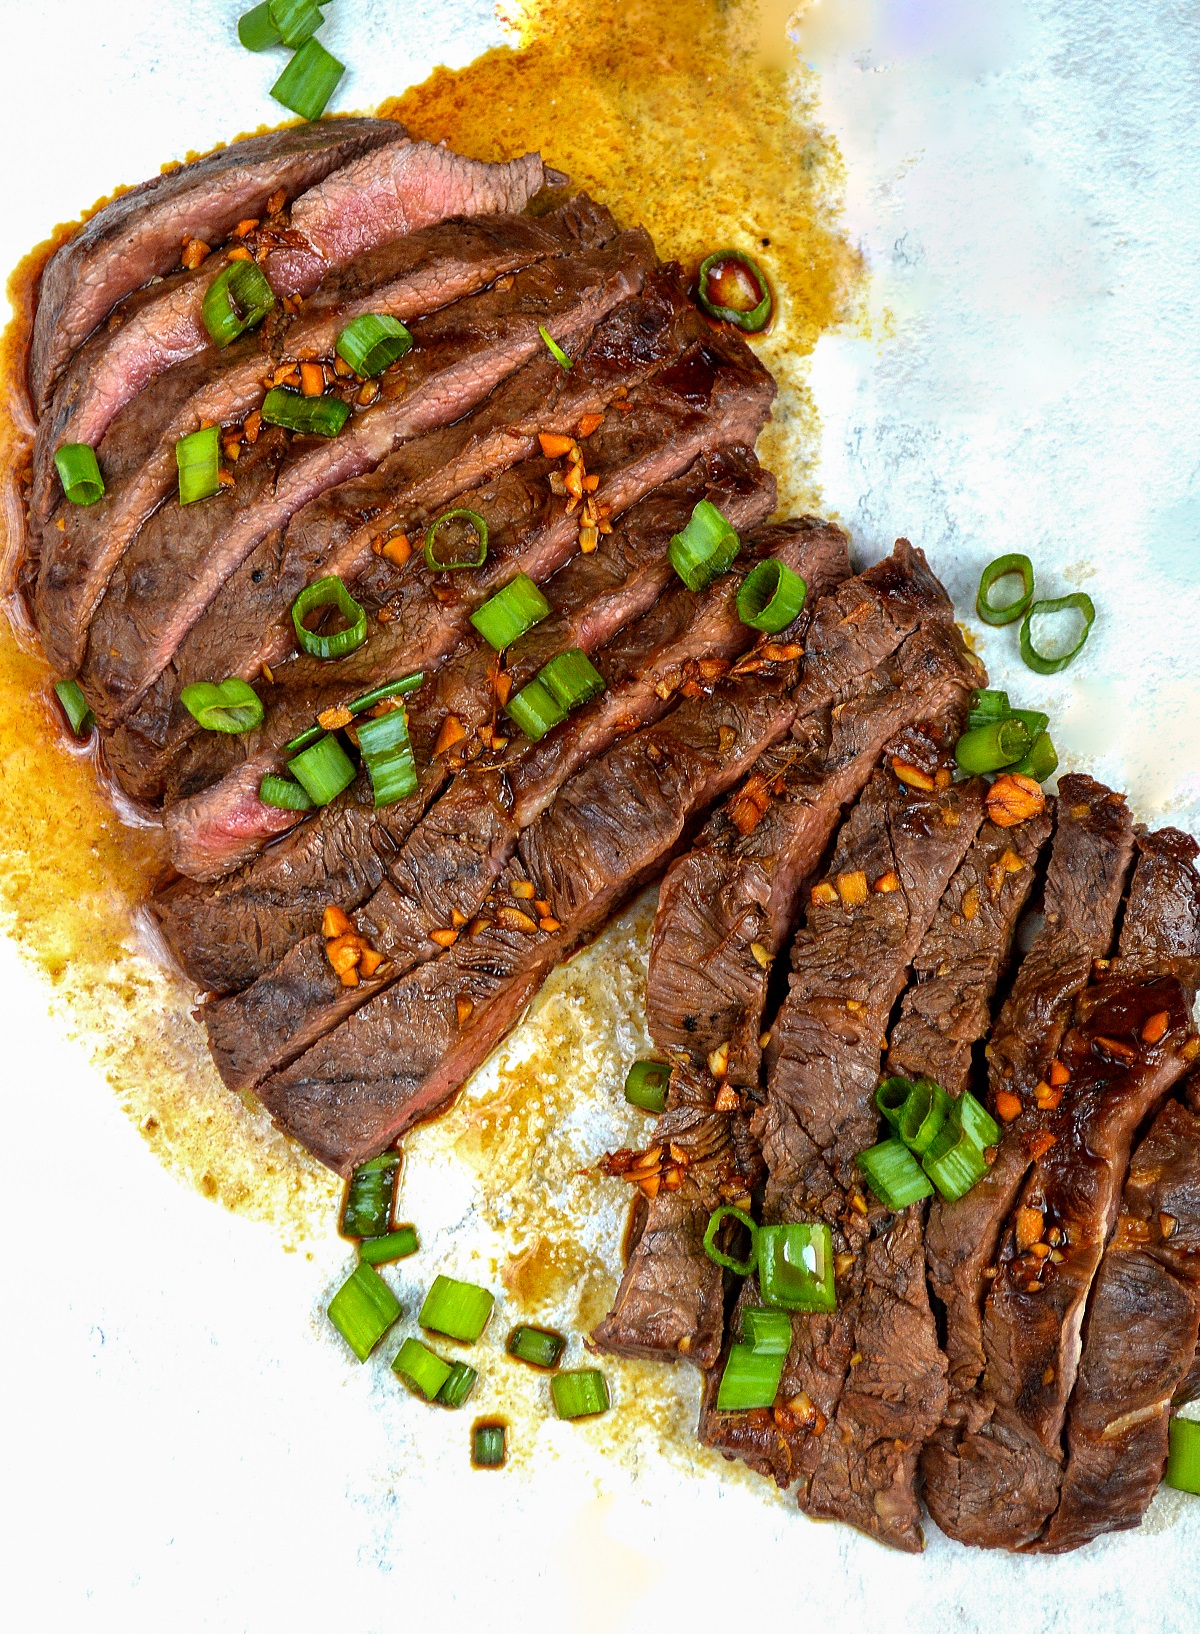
<point>1121,1057</point>
<point>404,1055</point>
<point>1139,1340</point>
<point>138,235</point>
<point>1089,861</point>
<point>182,555</point>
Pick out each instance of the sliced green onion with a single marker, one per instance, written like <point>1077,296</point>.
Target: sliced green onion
<point>767,1332</point>
<point>580,1395</point>
<point>894,1174</point>
<point>458,1386</point>
<point>283,793</point>
<point>988,705</point>
<point>770,597</point>
<point>370,1190</point>
<point>309,80</point>
<point>387,754</point>
<point>1078,603</point>
<point>535,710</point>
<point>1041,762</point>
<point>373,342</point>
<point>223,706</point>
<point>198,459</point>
<point>571,678</point>
<point>79,472</point>
<point>488,1445</point>
<point>540,1347</point>
<point>296,20</point>
<point>922,1115</point>
<point>329,592</point>
<point>389,689</point>
<point>323,770</point>
<point>317,416</point>
<point>891,1096</point>
<point>646,1085</point>
<point>363,1309</point>
<point>76,707</point>
<point>238,298</point>
<point>256,31</point>
<point>460,1310</point>
<point>421,1369</point>
<point>956,1161</point>
<point>726,292</point>
<point>506,616</point>
<point>795,1267</point>
<point>1032,720</point>
<point>975,1120</point>
<point>705,549</point>
<point>552,346</point>
<point>751,1379</point>
<point>744,1267</point>
<point>989,748</point>
<point>1183,1460</point>
<point>397,1245</point>
<point>449,548</point>
<point>1002,568</point>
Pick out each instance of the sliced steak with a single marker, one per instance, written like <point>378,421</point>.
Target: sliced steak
<point>1139,1340</point>
<point>139,234</point>
<point>176,566</point>
<point>1089,862</point>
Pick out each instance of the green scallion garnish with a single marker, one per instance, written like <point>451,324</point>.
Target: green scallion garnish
<point>957,1159</point>
<point>282,793</point>
<point>329,592</point>
<point>571,678</point>
<point>988,705</point>
<point>706,548</point>
<point>79,472</point>
<point>75,706</point>
<point>535,710</point>
<point>389,689</point>
<point>296,20</point>
<point>387,754</point>
<point>373,342</point>
<point>744,1267</point>
<point>370,1192</point>
<point>582,1394</point>
<point>540,1347</point>
<point>646,1085</point>
<point>1183,1459</point>
<point>257,30</point>
<point>795,1267</point>
<point>223,706</point>
<point>309,80</point>
<point>507,615</point>
<point>733,288</point>
<point>455,540</point>
<point>460,1310</point>
<point>363,1309</point>
<point>238,298</point>
<point>313,416</point>
<point>1041,762</point>
<point>421,1369</point>
<point>916,1109</point>
<point>323,770</point>
<point>991,748</point>
<point>1005,567</point>
<point>198,460</point>
<point>458,1386</point>
<point>1033,720</point>
<point>894,1174</point>
<point>488,1445</point>
<point>767,1332</point>
<point>555,350</point>
<point>396,1245</point>
<point>771,596</point>
<point>751,1379</point>
<point>1042,662</point>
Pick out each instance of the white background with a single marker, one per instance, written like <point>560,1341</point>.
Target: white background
<point>183,1447</point>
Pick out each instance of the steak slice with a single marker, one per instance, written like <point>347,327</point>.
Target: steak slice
<point>138,235</point>
<point>1139,1340</point>
<point>406,1053</point>
<point>182,555</point>
<point>1089,861</point>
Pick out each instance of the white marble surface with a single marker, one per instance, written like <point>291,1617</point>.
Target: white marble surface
<point>183,1446</point>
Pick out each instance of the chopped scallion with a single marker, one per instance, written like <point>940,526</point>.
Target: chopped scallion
<point>744,1267</point>
<point>373,342</point>
<point>706,548</point>
<point>75,706</point>
<point>990,748</point>
<point>309,80</point>
<point>582,1394</point>
<point>238,298</point>
<point>198,460</point>
<point>1041,762</point>
<point>915,1109</point>
<point>771,596</point>
<point>506,616</point>
<point>988,705</point>
<point>571,678</point>
<point>457,539</point>
<point>460,1310</point>
<point>795,1267</point>
<point>767,1332</point>
<point>1046,664</point>
<point>734,288</point>
<point>314,416</point>
<point>363,1309</point>
<point>223,706</point>
<point>540,1347</point>
<point>1183,1460</point>
<point>296,20</point>
<point>555,350</point>
<point>458,1386</point>
<point>646,1085</point>
<point>488,1447</point>
<point>751,1379</point>
<point>370,1191</point>
<point>389,689</point>
<point>1005,567</point>
<point>387,754</point>
<point>256,29</point>
<point>535,710</point>
<point>282,793</point>
<point>894,1174</point>
<point>421,1369</point>
<point>956,1160</point>
<point>1033,720</point>
<point>329,592</point>
<point>79,472</point>
<point>323,770</point>
<point>397,1245</point>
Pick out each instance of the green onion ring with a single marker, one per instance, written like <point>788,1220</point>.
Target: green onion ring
<point>751,320</point>
<point>79,472</point>
<point>743,1268</point>
<point>296,20</point>
<point>309,80</point>
<point>256,31</point>
<point>223,706</point>
<point>468,557</point>
<point>238,298</point>
<point>1077,603</point>
<point>555,350</point>
<point>313,416</point>
<point>75,706</point>
<point>198,461</point>
<point>990,748</point>
<point>283,793</point>
<point>706,548</point>
<point>377,695</point>
<point>329,592</point>
<point>999,569</point>
<point>323,770</point>
<point>372,342</point>
<point>771,596</point>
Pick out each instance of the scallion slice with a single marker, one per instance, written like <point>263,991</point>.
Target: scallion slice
<point>955,1161</point>
<point>296,20</point>
<point>767,1332</point>
<point>396,1245</point>
<point>79,472</point>
<point>75,706</point>
<point>389,689</point>
<point>990,748</point>
<point>540,1347</point>
<point>1042,662</point>
<point>555,350</point>
<point>488,1447</point>
<point>571,678</point>
<point>706,548</point>
<point>373,342</point>
<point>1183,1459</point>
<point>315,416</point>
<point>646,1085</point>
<point>370,1190</point>
<point>751,1379</point>
<point>507,615</point>
<point>323,770</point>
<point>421,1369</point>
<point>223,706</point>
<point>1002,568</point>
<point>282,793</point>
<point>535,710</point>
<point>457,539</point>
<point>795,1267</point>
<point>309,80</point>
<point>988,705</point>
<point>460,1310</point>
<point>744,1267</point>
<point>256,30</point>
<point>238,298</point>
<point>329,592</point>
<point>363,1309</point>
<point>734,288</point>
<point>922,1115</point>
<point>771,596</point>
<point>1033,720</point>
<point>198,460</point>
<point>582,1394</point>
<point>1041,762</point>
<point>387,754</point>
<point>458,1386</point>
<point>975,1120</point>
<point>894,1174</point>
